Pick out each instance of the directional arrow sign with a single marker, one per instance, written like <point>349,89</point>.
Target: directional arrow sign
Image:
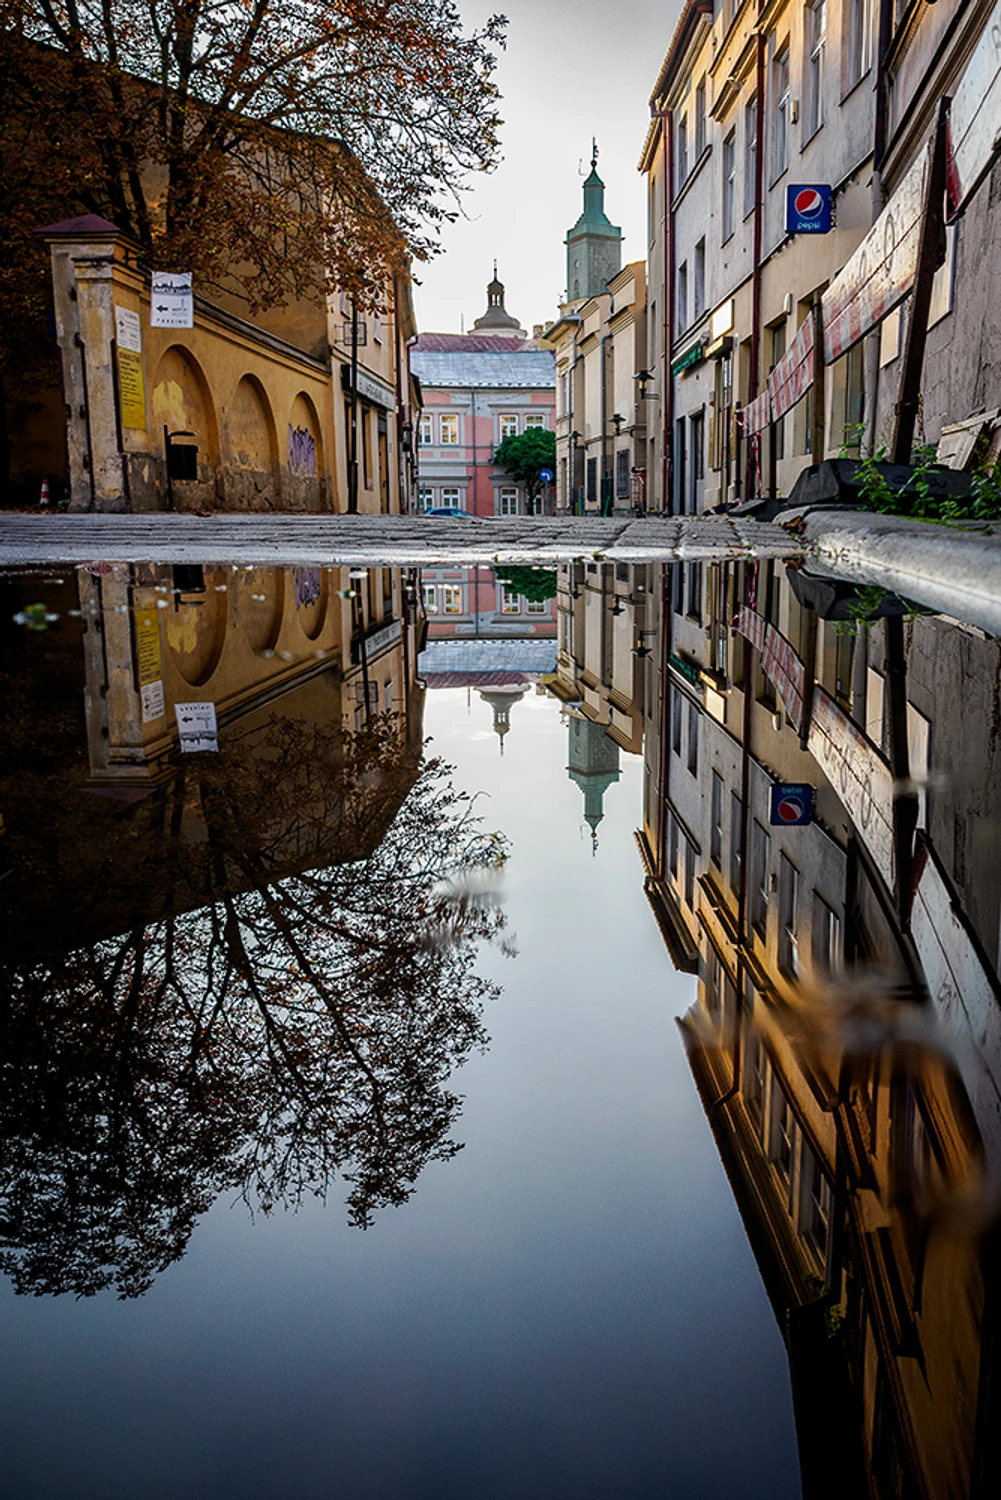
<point>173,300</point>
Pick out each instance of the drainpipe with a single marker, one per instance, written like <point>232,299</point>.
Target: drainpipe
<point>886,10</point>
<point>667,397</point>
<point>604,423</point>
<point>759,161</point>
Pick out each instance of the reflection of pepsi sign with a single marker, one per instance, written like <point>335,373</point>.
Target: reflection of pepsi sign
<point>808,208</point>
<point>546,476</point>
<point>792,804</point>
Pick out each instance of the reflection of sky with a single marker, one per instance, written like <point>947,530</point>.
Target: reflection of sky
<point>567,1311</point>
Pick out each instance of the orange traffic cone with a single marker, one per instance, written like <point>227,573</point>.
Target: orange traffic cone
<point>43,498</point>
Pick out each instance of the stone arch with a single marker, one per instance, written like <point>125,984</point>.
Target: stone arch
<point>182,401</point>
<point>252,438</point>
<point>196,629</point>
<point>304,454</point>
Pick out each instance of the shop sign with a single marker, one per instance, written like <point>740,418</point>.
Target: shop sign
<point>779,661</point>
<point>369,389</point>
<point>693,356</point>
<point>859,775</point>
<point>379,640</point>
<point>975,119</point>
<point>808,208</point>
<point>881,272</point>
<point>722,320</point>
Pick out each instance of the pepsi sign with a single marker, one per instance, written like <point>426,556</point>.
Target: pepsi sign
<point>808,208</point>
<point>792,804</point>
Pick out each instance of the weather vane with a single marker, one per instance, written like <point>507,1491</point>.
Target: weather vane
<point>594,154</point>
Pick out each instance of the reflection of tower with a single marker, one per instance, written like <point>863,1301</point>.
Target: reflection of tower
<point>501,700</point>
<point>594,766</point>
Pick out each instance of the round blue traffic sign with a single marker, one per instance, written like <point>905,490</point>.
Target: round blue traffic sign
<point>546,476</point>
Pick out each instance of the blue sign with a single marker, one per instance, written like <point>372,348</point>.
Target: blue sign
<point>808,208</point>
<point>792,804</point>
<point>546,476</point>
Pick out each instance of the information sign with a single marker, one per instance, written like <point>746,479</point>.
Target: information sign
<point>149,663</point>
<point>196,725</point>
<point>172,303</point>
<point>792,804</point>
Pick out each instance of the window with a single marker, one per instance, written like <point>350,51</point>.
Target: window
<point>683,296</point>
<point>816,1201</point>
<point>694,591</point>
<point>536,607</point>
<point>736,835</point>
<point>699,289</point>
<point>716,821</point>
<point>693,739</point>
<point>729,183</point>
<point>451,599</point>
<point>451,495</point>
<point>430,596</point>
<point>760,846</point>
<point>816,40</point>
<point>788,946</point>
<point>859,27</point>
<point>672,846</point>
<point>508,503</point>
<point>534,419</point>
<point>425,497</point>
<point>827,951</point>
<point>780,95</point>
<point>782,1144</point>
<point>690,875</point>
<point>622,478</point>
<point>700,118</point>
<point>508,427</point>
<point>755,1080</point>
<point>510,601</point>
<point>426,434</point>
<point>675,721</point>
<point>682,152</point>
<point>449,428</point>
<point>592,479</point>
<point>750,155</point>
<point>565,395</point>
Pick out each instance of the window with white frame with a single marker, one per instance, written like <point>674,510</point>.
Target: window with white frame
<point>510,601</point>
<point>449,429</point>
<point>536,606</point>
<point>700,118</point>
<point>451,495</point>
<point>816,1201</point>
<point>781,105</point>
<point>716,821</point>
<point>534,419</point>
<point>729,183</point>
<point>827,946</point>
<point>816,41</point>
<point>430,596</point>
<point>425,497</point>
<point>507,502</point>
<point>425,434</point>
<point>451,599</point>
<point>750,154</point>
<point>859,28</point>
<point>508,426</point>
<point>682,152</point>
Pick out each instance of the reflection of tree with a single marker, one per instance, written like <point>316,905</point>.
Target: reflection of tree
<point>300,1021</point>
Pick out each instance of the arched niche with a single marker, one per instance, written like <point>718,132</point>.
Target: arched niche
<point>195,627</point>
<point>311,592</point>
<point>182,402</point>
<point>258,603</point>
<point>252,442</point>
<point>304,451</point>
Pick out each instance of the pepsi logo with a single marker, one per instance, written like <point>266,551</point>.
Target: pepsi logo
<point>790,809</point>
<point>809,204</point>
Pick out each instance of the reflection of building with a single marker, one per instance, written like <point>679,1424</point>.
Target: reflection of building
<point>849,1138</point>
<point>502,696</point>
<point>593,766</point>
<point>475,602</point>
<point>501,671</point>
<point>478,389</point>
<point>602,646</point>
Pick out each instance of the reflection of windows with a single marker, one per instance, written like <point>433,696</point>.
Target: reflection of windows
<point>676,707</point>
<point>449,426</point>
<point>426,433</point>
<point>536,607</point>
<point>622,486</point>
<point>760,846</point>
<point>682,151</point>
<point>788,946</point>
<point>816,1201</point>
<point>699,287</point>
<point>592,479</point>
<point>451,599</point>
<point>755,1080</point>
<point>716,821</point>
<point>508,505</point>
<point>534,419</point>
<point>451,495</point>
<point>693,739</point>
<point>430,598</point>
<point>736,851</point>
<point>510,601</point>
<point>695,591</point>
<point>683,296</point>
<point>827,951</point>
<point>508,427</point>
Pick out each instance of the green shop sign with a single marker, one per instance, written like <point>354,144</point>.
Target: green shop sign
<point>693,356</point>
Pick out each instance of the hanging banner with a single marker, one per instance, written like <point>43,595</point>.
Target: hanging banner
<point>757,413</point>
<point>881,272</point>
<point>779,661</point>
<point>792,377</point>
<point>975,119</point>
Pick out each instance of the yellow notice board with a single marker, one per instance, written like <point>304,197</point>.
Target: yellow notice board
<point>132,388</point>
<point>149,659</point>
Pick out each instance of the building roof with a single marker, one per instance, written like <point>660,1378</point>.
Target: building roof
<point>529,369</point>
<point>517,657</point>
<point>470,343</point>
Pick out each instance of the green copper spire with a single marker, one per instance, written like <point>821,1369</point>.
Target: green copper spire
<point>594,244</point>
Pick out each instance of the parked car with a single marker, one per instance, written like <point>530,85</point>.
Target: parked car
<point>446,510</point>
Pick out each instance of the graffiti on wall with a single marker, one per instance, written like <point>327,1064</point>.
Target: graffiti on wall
<point>307,586</point>
<point>301,451</point>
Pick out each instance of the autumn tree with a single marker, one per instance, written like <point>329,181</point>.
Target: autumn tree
<point>525,455</point>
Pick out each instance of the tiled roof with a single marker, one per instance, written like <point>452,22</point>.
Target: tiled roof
<point>520,656</point>
<point>470,343</point>
<point>532,369</point>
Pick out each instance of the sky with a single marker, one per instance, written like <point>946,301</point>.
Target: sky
<point>570,72</point>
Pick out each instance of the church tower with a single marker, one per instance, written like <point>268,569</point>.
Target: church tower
<point>497,319</point>
<point>594,245</point>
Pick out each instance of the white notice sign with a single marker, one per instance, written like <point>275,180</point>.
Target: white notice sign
<point>128,330</point>
<point>196,725</point>
<point>151,697</point>
<point>173,300</point>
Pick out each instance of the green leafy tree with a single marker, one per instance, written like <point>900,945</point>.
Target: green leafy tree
<point>525,456</point>
<point>534,584</point>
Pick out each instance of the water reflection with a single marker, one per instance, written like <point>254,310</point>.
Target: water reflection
<point>249,967</point>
